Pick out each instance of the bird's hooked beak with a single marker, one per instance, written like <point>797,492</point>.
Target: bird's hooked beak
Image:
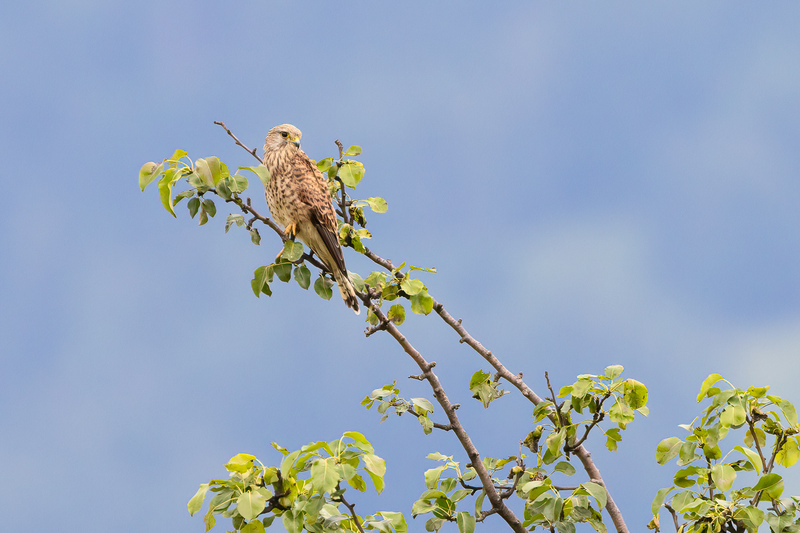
<point>295,140</point>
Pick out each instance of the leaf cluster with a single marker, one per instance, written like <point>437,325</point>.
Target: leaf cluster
<point>389,402</point>
<point>306,490</point>
<point>709,492</point>
<point>210,176</point>
<point>388,287</point>
<point>584,407</point>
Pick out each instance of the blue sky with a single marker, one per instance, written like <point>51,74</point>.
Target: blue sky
<point>596,183</point>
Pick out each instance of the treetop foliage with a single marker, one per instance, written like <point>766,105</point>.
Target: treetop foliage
<point>716,489</point>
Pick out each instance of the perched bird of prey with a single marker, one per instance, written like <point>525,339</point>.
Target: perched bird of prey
<point>298,197</point>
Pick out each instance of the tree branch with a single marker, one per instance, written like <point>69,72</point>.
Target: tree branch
<point>248,150</point>
<point>437,425</point>
<point>580,452</point>
<point>438,392</point>
<point>350,507</point>
<point>495,498</point>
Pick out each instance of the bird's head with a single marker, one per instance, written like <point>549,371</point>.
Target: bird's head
<point>283,137</point>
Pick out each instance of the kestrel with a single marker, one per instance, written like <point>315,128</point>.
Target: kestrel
<point>298,197</point>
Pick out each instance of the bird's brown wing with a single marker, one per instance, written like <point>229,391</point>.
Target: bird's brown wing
<point>313,192</point>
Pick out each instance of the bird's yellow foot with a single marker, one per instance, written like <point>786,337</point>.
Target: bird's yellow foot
<point>291,231</point>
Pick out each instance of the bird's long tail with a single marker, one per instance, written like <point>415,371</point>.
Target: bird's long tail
<point>347,290</point>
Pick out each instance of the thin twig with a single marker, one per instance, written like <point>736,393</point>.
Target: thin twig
<point>249,151</point>
<point>350,507</point>
<point>669,508</point>
<point>437,425</point>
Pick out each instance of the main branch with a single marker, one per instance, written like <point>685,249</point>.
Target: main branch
<point>438,392</point>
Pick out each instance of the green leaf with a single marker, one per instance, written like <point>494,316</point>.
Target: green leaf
<point>478,378</point>
<point>378,205</point>
<point>667,449</point>
<point>771,484</point>
<point>260,171</point>
<point>324,474</point>
<point>789,412</point>
<point>723,476</point>
<point>224,189</point>
<point>241,462</point>
<point>209,519</point>
<point>255,237</point>
<point>554,441</point>
<point>323,287</point>
<point>238,183</point>
<point>216,167</point>
<point>259,281</point>
<point>412,286</point>
<point>148,173</point>
<point>374,464</point>
<point>398,521</point>
<point>421,507</point>
<point>302,276</point>
<point>351,173</point>
<point>292,251</point>
<point>165,190</point>
<point>612,438</point>
<point>621,412</point>
<point>202,169</point>
<point>250,504</point>
<point>377,481</point>
<point>283,271</point>
<point>422,405</point>
<point>233,219</point>
<point>196,502</point>
<point>421,303</point>
<point>565,468</point>
<point>358,437</point>
<point>256,526</point>
<point>357,482</point>
<point>613,371</point>
<point>432,476</point>
<point>707,384</point>
<point>287,463</point>
<point>466,522</point>
<point>789,453</point>
<point>177,155</point>
<point>396,314</point>
<point>752,517</point>
<point>752,456</point>
<point>353,151</point>
<point>193,205</point>
<point>635,393</point>
<point>357,281</point>
<point>293,521</point>
<point>658,501</point>
<point>597,491</point>
<point>210,208</point>
<point>324,164</point>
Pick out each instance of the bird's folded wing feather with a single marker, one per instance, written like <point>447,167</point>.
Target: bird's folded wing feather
<point>314,194</point>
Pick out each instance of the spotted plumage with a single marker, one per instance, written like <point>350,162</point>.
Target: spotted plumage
<point>298,198</point>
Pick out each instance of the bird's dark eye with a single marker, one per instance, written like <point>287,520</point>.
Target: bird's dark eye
<point>284,134</point>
